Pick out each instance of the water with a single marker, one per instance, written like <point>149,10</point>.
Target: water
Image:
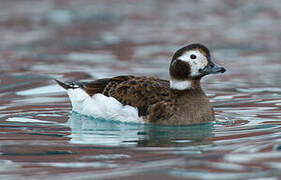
<point>42,40</point>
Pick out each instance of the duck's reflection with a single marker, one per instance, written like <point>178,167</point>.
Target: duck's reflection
<point>86,130</point>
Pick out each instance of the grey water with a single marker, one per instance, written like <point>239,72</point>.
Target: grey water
<point>40,138</point>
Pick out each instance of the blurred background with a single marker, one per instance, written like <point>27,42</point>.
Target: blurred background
<point>88,39</point>
<point>59,36</point>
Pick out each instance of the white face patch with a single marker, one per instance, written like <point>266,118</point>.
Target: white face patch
<point>199,62</point>
<point>180,85</point>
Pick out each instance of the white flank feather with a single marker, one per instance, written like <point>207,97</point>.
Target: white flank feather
<point>100,106</point>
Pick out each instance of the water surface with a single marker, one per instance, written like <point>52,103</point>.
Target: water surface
<point>70,40</point>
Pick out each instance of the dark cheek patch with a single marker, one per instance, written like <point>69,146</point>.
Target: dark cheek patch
<point>179,70</point>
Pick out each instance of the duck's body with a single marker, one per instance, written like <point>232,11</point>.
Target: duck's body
<point>178,101</point>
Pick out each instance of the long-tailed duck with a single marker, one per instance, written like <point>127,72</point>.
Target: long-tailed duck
<point>178,101</point>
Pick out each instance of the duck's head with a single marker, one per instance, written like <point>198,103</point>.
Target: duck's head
<point>191,63</point>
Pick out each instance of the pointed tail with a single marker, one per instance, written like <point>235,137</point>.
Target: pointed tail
<point>67,85</point>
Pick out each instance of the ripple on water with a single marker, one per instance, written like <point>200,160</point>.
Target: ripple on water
<point>41,41</point>
<point>244,140</point>
<point>86,130</point>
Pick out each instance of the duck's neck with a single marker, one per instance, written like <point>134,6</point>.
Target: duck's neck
<point>187,84</point>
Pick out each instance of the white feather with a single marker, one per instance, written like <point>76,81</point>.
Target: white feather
<point>180,85</point>
<point>195,64</point>
<point>100,106</point>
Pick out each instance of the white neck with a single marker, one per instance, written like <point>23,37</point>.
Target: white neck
<point>180,85</point>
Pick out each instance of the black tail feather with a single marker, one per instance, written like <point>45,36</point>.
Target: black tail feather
<point>67,85</point>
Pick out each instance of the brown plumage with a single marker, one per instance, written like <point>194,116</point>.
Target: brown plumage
<point>156,100</point>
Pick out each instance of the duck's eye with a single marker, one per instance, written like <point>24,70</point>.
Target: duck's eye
<point>192,56</point>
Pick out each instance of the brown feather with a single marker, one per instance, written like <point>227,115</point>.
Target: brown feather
<point>182,107</point>
<point>155,100</point>
<point>94,87</point>
<point>140,92</point>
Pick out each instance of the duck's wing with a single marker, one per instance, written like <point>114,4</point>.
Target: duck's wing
<point>139,92</point>
<point>92,87</point>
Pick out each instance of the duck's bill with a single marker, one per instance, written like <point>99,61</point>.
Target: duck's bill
<point>212,68</point>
